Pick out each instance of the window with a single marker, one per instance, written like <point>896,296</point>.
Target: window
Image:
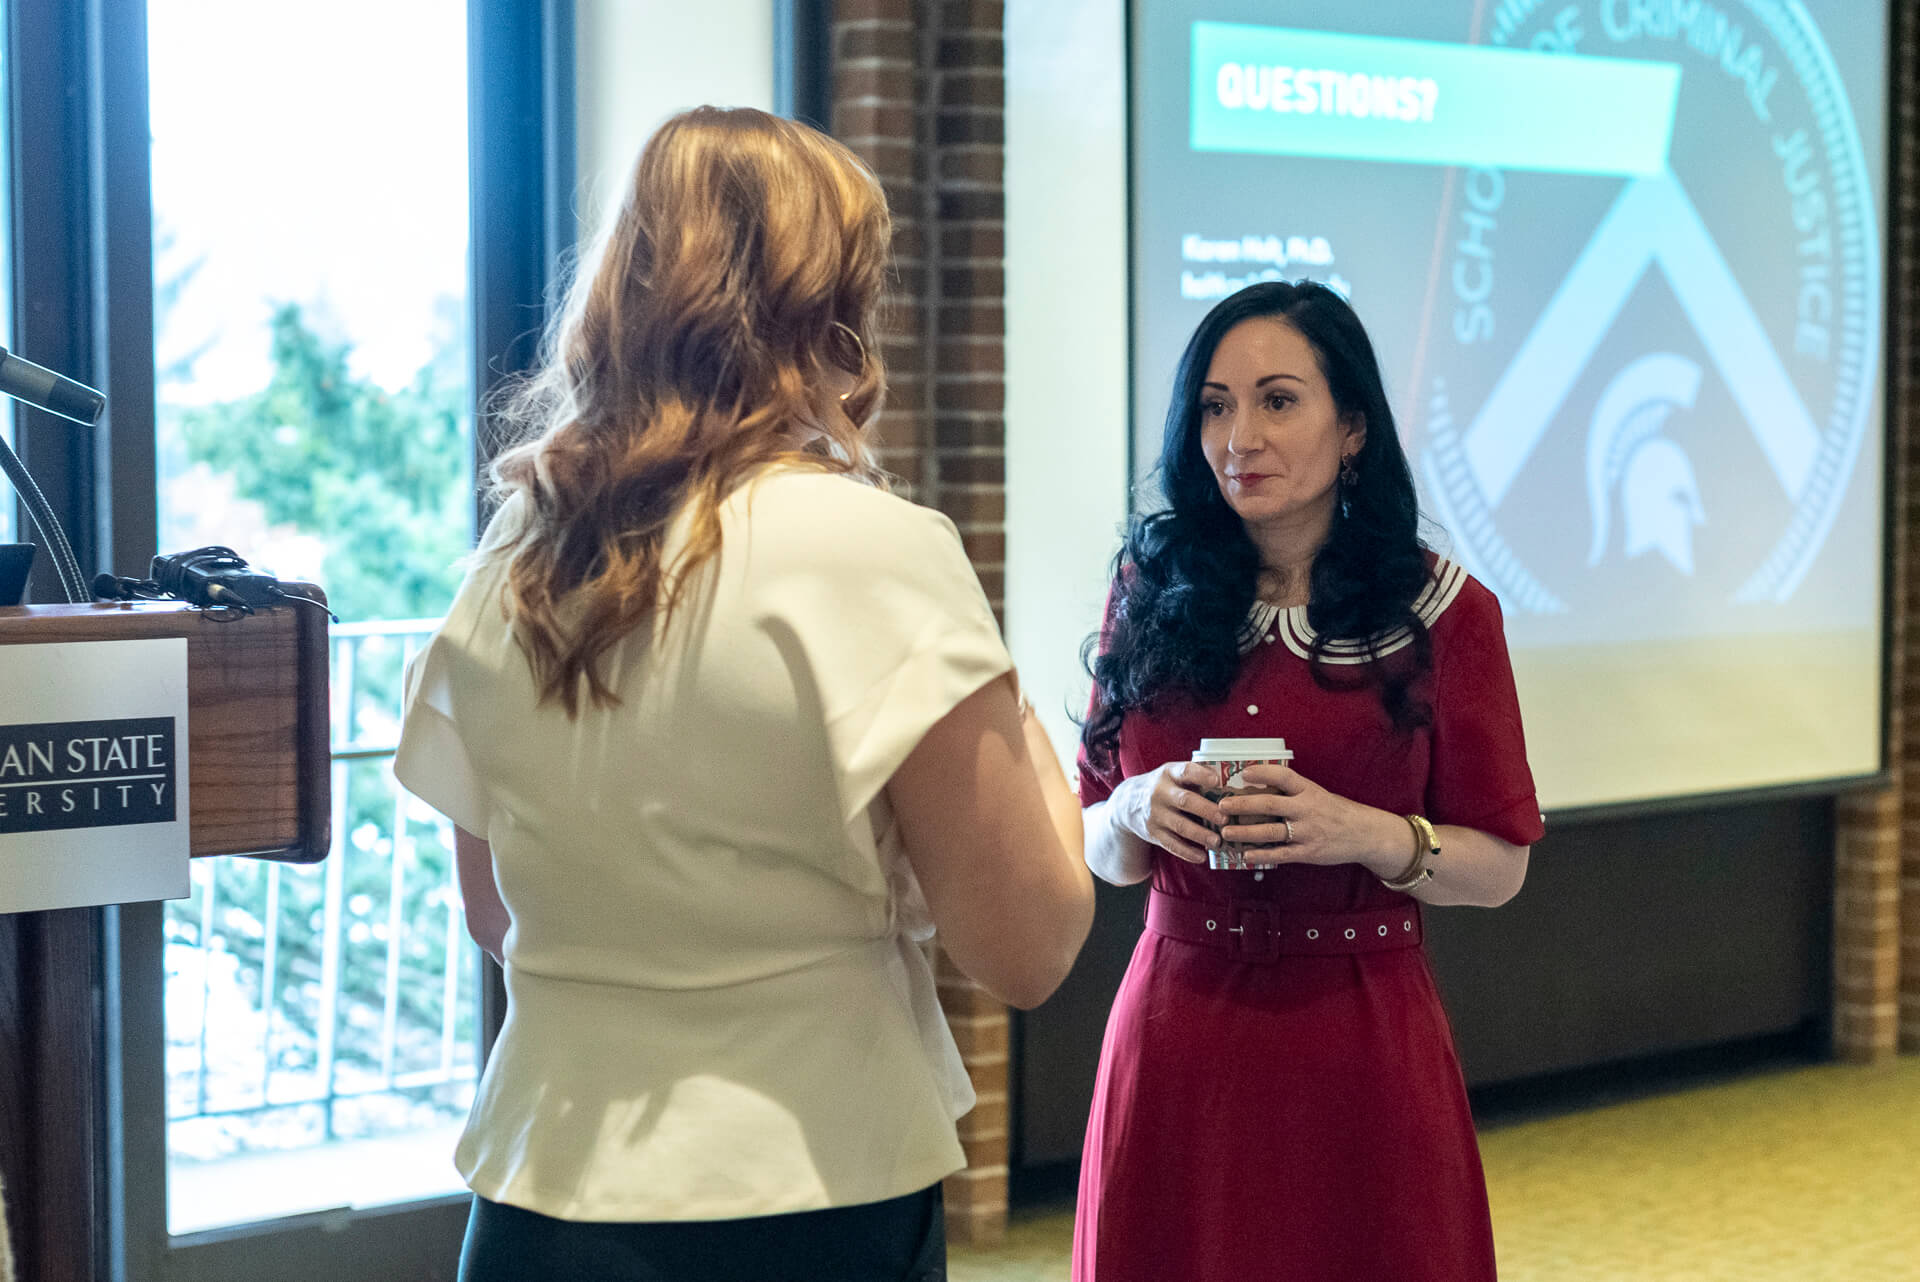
<point>310,221</point>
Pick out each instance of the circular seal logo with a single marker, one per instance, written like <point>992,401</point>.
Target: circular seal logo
<point>1659,386</point>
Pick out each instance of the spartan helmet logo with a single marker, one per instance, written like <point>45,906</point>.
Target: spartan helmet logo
<point>1659,496</point>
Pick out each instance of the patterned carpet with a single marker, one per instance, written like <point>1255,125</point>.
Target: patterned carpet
<point>1807,1175</point>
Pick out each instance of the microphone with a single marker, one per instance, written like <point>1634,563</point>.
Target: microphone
<point>43,389</point>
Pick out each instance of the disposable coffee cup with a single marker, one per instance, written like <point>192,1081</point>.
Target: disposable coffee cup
<point>1226,762</point>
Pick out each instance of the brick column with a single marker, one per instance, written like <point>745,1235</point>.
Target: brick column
<point>1877,863</point>
<point>965,98</point>
<point>977,1196</point>
<point>919,92</point>
<point>1866,937</point>
<point>876,112</point>
<point>1903,358</point>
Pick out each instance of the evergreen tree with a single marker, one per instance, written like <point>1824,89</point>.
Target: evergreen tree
<point>383,477</point>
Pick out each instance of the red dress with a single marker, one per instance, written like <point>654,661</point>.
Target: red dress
<point>1305,1118</point>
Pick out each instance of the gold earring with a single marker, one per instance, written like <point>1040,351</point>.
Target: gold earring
<point>859,346</point>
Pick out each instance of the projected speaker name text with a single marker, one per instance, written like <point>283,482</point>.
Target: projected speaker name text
<point>1253,258</point>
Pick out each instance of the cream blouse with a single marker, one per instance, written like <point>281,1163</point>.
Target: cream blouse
<point>720,1005</point>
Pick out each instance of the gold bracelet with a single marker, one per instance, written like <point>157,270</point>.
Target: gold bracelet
<point>1426,847</point>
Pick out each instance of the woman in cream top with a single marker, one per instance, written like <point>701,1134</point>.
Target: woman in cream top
<point>709,712</point>
<point>719,1005</point>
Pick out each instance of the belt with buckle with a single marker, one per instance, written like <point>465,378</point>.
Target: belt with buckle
<point>1254,930</point>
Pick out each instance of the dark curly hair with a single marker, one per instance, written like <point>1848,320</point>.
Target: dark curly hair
<point>1185,578</point>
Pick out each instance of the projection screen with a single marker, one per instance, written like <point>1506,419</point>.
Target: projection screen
<point>1622,261</point>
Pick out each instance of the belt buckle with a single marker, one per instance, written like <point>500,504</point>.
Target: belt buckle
<point>1251,922</point>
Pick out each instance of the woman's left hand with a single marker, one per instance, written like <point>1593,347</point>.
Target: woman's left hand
<point>1298,821</point>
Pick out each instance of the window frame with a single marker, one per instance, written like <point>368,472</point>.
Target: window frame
<point>66,128</point>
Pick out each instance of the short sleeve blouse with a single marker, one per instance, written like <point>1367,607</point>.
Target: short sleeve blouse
<point>718,1005</point>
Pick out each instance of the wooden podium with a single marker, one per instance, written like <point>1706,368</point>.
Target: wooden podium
<point>258,761</point>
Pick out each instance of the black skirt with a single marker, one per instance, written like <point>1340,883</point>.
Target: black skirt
<point>903,1239</point>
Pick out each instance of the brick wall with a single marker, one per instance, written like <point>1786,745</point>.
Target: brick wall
<point>1877,860</point>
<point>1872,826</point>
<point>1866,908</point>
<point>1904,363</point>
<point>876,111</point>
<point>919,92</point>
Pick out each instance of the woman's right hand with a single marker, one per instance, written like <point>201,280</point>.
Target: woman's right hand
<point>1166,808</point>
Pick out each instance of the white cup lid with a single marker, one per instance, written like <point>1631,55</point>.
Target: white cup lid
<point>1243,750</point>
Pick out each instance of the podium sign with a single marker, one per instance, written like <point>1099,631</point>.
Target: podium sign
<point>94,796</point>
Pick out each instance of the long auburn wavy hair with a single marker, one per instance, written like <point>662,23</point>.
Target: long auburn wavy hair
<point>1186,575</point>
<point>745,265</point>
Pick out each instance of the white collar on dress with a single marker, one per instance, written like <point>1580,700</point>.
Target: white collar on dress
<point>1267,622</point>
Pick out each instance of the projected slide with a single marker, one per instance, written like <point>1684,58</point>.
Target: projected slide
<point>1622,260</point>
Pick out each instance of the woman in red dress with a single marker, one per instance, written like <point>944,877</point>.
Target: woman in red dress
<point>1278,1094</point>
